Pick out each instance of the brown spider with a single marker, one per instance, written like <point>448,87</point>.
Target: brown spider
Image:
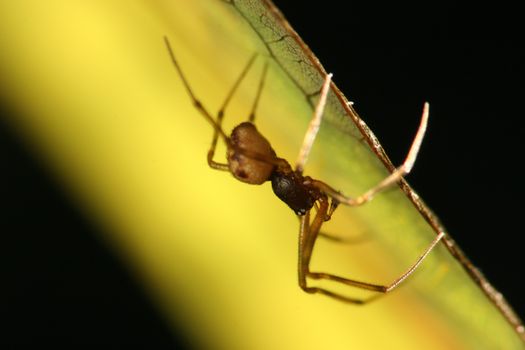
<point>251,159</point>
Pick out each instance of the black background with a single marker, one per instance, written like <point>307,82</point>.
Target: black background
<point>62,286</point>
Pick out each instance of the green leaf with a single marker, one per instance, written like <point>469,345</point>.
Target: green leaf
<point>106,110</point>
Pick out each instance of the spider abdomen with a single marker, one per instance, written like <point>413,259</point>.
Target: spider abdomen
<point>250,156</point>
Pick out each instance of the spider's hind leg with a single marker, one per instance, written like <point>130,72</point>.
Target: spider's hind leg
<point>307,237</point>
<point>308,234</point>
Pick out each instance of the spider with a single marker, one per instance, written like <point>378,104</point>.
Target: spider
<point>252,160</point>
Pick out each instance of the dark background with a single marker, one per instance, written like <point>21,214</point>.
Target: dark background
<point>62,286</point>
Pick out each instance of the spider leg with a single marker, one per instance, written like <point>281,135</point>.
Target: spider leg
<point>217,124</point>
<point>391,179</point>
<point>378,287</point>
<point>329,236</point>
<point>251,117</point>
<point>313,127</point>
<point>196,102</point>
<point>220,116</point>
<point>308,235</point>
<point>367,196</point>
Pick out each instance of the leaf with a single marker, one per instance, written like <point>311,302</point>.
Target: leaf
<point>110,116</point>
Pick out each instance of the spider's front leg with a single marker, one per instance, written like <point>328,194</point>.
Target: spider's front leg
<point>313,126</point>
<point>391,179</point>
